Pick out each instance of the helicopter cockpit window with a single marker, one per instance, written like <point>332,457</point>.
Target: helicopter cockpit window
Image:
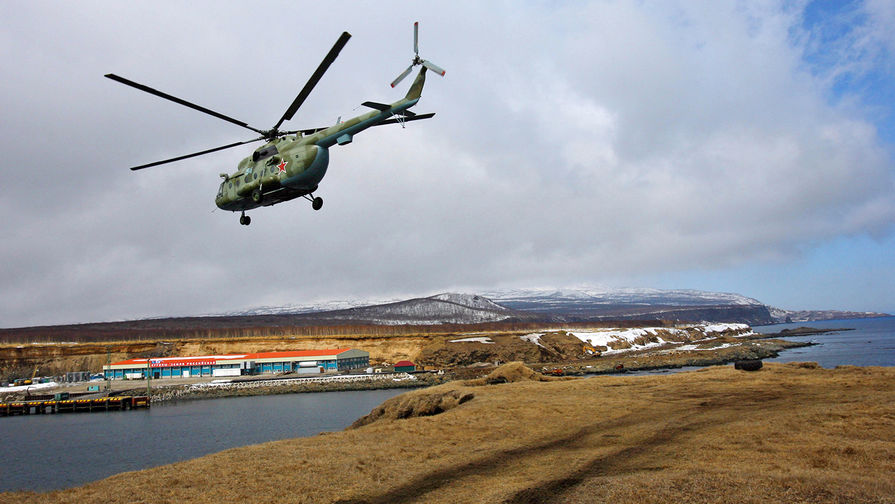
<point>266,152</point>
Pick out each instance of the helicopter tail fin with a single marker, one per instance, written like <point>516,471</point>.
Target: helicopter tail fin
<point>416,89</point>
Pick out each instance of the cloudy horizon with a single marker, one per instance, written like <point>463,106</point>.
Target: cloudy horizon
<point>718,146</point>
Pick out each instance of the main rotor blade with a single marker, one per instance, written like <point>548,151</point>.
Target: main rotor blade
<point>324,65</point>
<point>432,66</point>
<point>178,158</point>
<point>416,38</point>
<point>401,77</point>
<point>177,100</point>
<point>413,118</point>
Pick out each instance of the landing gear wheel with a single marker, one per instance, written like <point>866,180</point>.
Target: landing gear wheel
<point>317,203</point>
<point>256,196</point>
<point>245,220</point>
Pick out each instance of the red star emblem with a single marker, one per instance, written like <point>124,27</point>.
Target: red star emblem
<point>282,166</point>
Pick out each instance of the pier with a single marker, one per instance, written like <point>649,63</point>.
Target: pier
<point>112,403</point>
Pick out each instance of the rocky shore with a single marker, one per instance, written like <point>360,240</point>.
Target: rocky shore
<point>292,386</point>
<point>718,351</point>
<point>578,352</point>
<point>675,358</point>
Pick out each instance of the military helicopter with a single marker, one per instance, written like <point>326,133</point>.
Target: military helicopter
<point>291,164</point>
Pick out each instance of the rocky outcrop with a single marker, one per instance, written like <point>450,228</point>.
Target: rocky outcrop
<point>416,404</point>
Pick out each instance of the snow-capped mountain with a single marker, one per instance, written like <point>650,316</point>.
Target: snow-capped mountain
<point>548,305</point>
<point>588,303</point>
<point>448,308</point>
<point>552,305</point>
<point>323,306</point>
<point>469,300</point>
<point>787,316</point>
<point>625,296</point>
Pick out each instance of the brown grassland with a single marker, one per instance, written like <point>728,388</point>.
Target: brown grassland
<point>786,433</point>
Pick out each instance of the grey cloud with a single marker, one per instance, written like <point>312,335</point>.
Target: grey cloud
<point>573,144</point>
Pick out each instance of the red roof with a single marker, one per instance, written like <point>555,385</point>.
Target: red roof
<point>210,360</point>
<point>405,363</point>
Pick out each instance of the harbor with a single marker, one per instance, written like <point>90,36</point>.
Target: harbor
<point>84,448</point>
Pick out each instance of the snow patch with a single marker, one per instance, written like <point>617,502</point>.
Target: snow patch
<point>719,328</point>
<point>604,338</point>
<point>468,300</point>
<point>32,387</point>
<point>533,338</point>
<point>695,348</point>
<point>481,339</point>
<point>634,338</point>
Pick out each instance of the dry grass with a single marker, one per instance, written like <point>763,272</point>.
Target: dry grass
<point>783,434</point>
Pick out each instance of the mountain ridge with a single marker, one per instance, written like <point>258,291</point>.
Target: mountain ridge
<point>506,306</point>
<point>564,305</point>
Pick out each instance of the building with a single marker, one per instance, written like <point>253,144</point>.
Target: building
<point>301,361</point>
<point>405,367</point>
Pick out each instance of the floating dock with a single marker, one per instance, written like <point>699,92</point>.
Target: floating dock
<point>113,403</point>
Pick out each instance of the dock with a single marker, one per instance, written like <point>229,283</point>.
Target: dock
<point>111,403</point>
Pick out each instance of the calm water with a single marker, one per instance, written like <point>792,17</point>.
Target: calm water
<point>43,452</point>
<point>871,343</point>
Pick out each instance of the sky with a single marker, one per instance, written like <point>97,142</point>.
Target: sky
<point>743,147</point>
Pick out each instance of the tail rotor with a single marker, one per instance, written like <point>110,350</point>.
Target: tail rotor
<point>416,58</point>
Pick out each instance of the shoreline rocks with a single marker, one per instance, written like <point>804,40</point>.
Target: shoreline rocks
<point>273,387</point>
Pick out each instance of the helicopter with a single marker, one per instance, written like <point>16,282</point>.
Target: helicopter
<point>291,164</point>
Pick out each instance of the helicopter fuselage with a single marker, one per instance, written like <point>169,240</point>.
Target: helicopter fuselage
<point>292,166</point>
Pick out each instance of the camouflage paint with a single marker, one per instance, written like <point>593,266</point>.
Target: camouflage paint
<point>299,162</point>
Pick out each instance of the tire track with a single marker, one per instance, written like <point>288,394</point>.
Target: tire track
<point>417,488</point>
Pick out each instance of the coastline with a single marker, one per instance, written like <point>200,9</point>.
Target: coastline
<point>574,352</point>
<point>786,433</point>
<point>691,353</point>
<point>747,348</point>
<point>290,386</point>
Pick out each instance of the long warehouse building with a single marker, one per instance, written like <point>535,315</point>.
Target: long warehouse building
<point>301,361</point>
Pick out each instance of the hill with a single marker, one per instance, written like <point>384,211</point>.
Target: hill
<point>509,309</point>
<point>574,305</point>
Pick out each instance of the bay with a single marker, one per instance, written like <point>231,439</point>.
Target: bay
<point>871,342</point>
<point>46,452</point>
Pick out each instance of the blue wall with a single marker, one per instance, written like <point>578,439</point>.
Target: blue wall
<point>261,368</point>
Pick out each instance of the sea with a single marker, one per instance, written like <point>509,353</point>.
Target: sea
<point>46,452</point>
<point>867,342</point>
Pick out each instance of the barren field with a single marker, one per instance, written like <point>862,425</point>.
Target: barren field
<point>786,433</point>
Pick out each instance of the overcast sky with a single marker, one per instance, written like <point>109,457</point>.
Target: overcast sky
<point>740,147</point>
